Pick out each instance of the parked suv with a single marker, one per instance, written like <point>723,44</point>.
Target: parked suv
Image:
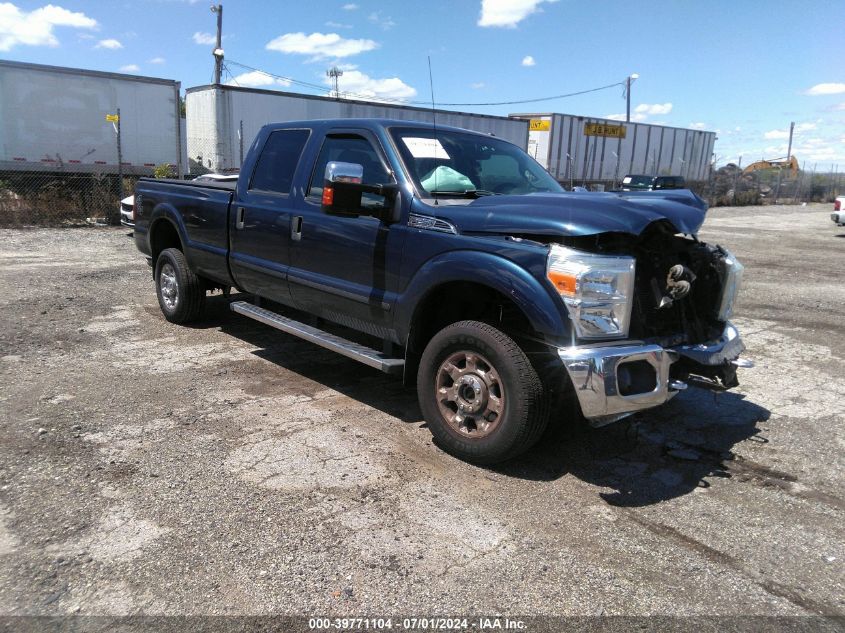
<point>635,182</point>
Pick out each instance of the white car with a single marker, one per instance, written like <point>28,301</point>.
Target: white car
<point>838,214</point>
<point>126,205</point>
<point>126,217</point>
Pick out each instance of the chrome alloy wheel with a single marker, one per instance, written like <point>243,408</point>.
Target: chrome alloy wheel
<point>470,394</point>
<point>169,286</point>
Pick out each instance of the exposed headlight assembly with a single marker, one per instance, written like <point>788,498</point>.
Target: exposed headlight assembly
<point>597,290</point>
<point>731,274</point>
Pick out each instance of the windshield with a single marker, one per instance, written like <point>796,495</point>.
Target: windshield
<point>637,181</point>
<point>461,164</point>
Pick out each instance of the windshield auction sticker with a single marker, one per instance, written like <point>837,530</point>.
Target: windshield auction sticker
<point>425,147</point>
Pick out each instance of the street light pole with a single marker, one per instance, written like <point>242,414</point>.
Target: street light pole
<point>218,50</point>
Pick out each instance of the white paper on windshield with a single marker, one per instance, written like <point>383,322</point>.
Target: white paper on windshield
<point>626,180</point>
<point>425,147</point>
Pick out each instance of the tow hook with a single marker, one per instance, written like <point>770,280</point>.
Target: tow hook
<point>743,363</point>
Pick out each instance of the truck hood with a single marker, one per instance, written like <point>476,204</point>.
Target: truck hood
<point>573,214</point>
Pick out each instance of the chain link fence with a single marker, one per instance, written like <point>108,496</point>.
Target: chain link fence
<point>731,186</point>
<point>61,199</point>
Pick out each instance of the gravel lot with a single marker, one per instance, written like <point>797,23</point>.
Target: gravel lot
<point>230,469</point>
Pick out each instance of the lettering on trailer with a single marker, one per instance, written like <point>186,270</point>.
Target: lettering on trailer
<point>539,125</point>
<point>602,129</point>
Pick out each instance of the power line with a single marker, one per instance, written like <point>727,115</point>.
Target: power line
<point>364,97</point>
<point>538,99</point>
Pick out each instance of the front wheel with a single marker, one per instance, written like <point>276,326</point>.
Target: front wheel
<point>479,393</point>
<point>181,294</point>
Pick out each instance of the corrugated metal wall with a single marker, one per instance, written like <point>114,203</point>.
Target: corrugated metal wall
<point>214,125</point>
<point>569,154</point>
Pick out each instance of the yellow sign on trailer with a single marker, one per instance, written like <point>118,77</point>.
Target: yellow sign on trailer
<point>112,118</point>
<point>603,129</point>
<point>539,125</point>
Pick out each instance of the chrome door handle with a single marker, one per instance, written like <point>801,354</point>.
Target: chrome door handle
<point>296,228</point>
<point>239,220</point>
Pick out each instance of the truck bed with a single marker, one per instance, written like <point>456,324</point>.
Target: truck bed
<point>207,184</point>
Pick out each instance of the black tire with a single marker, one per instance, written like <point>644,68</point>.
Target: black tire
<point>189,299</point>
<point>525,407</point>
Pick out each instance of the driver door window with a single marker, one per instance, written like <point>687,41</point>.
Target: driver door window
<point>351,149</point>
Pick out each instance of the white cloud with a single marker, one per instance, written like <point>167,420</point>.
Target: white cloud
<point>654,108</point>
<point>698,125</point>
<point>507,13</point>
<point>319,45</point>
<point>338,25</point>
<point>204,38</point>
<point>350,6</point>
<point>256,79</point>
<point>528,61</point>
<point>385,22</point>
<point>35,28</point>
<point>478,85</point>
<point>130,68</point>
<point>826,89</point>
<point>157,60</point>
<point>362,85</point>
<point>111,44</point>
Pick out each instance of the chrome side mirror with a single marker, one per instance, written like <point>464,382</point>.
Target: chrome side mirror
<point>344,172</point>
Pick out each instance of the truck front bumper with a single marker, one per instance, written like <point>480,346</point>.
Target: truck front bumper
<point>613,381</point>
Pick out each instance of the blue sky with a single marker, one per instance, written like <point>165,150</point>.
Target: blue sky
<point>742,68</point>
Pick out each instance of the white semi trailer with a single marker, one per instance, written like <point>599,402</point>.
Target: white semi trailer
<point>53,119</point>
<point>583,150</point>
<point>223,120</point>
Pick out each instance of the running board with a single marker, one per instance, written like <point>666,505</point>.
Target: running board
<point>358,352</point>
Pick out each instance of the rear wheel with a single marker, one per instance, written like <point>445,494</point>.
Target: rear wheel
<point>479,393</point>
<point>181,294</point>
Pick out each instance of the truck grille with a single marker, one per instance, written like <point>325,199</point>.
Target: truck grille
<point>689,319</point>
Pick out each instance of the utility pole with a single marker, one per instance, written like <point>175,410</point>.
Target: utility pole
<point>218,50</point>
<point>628,80</point>
<point>335,73</point>
<point>789,149</point>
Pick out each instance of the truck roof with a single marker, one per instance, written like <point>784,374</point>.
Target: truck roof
<point>371,123</point>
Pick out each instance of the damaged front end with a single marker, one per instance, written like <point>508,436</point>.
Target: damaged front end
<point>677,332</point>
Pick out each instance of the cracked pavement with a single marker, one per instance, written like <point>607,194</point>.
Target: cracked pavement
<point>226,468</point>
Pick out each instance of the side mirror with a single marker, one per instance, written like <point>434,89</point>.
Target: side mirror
<point>343,189</point>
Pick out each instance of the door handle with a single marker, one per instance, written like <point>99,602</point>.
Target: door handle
<point>239,220</point>
<point>296,228</point>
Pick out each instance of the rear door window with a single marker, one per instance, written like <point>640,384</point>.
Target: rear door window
<point>277,163</point>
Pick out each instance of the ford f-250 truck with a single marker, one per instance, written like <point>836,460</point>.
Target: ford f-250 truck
<point>454,258</point>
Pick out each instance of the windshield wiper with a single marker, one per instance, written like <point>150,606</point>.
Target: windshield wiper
<point>466,193</point>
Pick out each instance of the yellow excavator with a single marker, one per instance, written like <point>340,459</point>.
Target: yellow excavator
<point>790,163</point>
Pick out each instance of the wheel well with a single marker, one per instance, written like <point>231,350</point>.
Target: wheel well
<point>459,301</point>
<point>163,235</point>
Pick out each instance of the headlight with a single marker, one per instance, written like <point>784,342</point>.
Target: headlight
<point>731,278</point>
<point>597,290</point>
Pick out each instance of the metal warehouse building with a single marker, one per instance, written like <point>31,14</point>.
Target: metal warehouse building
<point>222,121</point>
<point>582,150</point>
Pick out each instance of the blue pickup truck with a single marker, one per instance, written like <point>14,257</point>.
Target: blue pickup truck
<point>454,259</point>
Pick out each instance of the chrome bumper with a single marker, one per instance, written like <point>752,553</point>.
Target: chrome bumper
<point>594,373</point>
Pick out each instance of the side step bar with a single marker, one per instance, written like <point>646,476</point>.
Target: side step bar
<point>358,352</point>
